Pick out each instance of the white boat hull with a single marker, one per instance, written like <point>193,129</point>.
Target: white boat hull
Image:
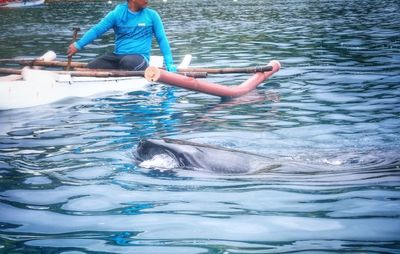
<point>39,87</point>
<point>22,94</point>
<point>21,3</point>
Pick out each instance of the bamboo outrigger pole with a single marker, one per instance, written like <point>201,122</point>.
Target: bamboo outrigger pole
<point>32,62</point>
<point>228,70</point>
<point>103,73</point>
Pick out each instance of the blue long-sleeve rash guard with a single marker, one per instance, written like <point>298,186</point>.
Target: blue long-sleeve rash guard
<point>133,32</point>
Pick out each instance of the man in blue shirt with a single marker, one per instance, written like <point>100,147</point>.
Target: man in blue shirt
<point>134,25</point>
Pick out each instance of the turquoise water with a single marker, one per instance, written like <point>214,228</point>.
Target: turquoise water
<point>330,117</point>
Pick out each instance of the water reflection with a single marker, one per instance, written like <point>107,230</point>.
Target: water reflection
<point>330,117</point>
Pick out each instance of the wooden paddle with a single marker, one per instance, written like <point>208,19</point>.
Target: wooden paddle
<point>74,36</point>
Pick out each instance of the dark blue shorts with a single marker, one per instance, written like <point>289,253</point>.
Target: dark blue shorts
<point>122,62</point>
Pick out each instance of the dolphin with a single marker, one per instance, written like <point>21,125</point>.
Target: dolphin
<point>200,157</point>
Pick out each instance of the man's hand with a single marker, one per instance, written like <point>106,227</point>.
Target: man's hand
<point>171,68</point>
<point>71,50</point>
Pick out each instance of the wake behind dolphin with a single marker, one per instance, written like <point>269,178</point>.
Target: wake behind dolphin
<point>187,155</point>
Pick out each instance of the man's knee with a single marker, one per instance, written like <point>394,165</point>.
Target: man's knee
<point>107,61</point>
<point>133,63</point>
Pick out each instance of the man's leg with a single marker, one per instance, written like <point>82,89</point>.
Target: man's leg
<point>133,63</point>
<point>107,61</point>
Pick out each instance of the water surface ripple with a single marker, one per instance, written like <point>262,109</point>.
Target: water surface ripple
<point>330,118</point>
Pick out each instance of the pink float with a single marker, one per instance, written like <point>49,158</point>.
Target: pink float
<point>154,74</point>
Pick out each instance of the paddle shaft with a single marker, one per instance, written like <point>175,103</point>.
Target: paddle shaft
<point>74,36</point>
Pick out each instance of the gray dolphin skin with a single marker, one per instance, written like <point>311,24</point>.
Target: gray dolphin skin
<point>200,157</point>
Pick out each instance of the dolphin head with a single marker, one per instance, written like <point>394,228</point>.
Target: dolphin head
<point>150,148</point>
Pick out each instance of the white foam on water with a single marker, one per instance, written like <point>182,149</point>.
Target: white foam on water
<point>160,161</point>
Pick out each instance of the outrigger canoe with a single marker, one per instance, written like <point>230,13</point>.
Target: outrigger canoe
<point>33,87</point>
<point>36,87</point>
<point>21,3</point>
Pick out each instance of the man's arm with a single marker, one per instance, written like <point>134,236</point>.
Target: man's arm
<point>159,32</point>
<point>95,32</point>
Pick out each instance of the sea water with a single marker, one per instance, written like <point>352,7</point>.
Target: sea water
<point>330,117</point>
